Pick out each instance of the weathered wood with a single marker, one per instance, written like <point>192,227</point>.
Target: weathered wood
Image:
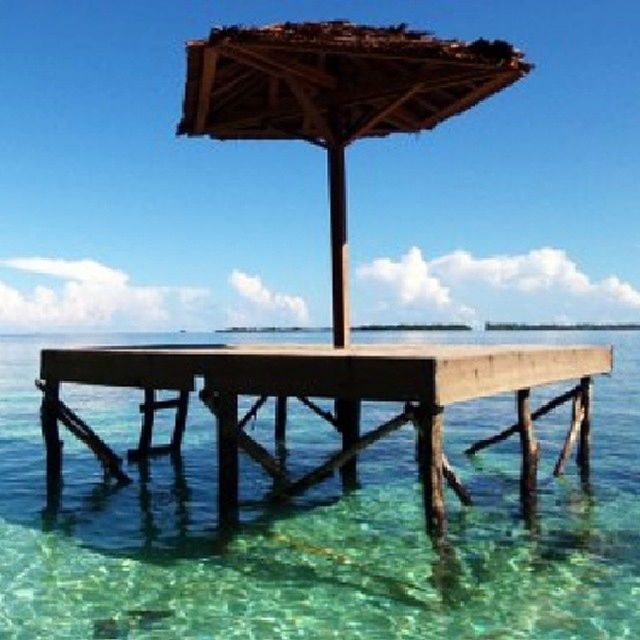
<point>281,422</point>
<point>227,427</point>
<point>135,455</point>
<point>584,443</point>
<point>576,420</point>
<point>339,246</point>
<point>81,430</point>
<point>325,415</point>
<point>146,432</point>
<point>339,459</point>
<point>399,373</point>
<point>348,418</point>
<point>529,448</point>
<point>455,483</point>
<point>515,428</point>
<point>158,405</point>
<point>209,64</point>
<point>180,422</point>
<point>258,453</point>
<point>429,422</point>
<point>252,413</point>
<point>51,432</point>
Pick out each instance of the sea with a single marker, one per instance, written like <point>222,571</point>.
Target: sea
<point>147,560</point>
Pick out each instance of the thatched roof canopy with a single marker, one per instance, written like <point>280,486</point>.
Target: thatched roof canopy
<point>334,82</point>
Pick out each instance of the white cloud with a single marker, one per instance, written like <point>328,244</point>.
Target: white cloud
<point>91,295</point>
<point>543,284</point>
<point>270,306</point>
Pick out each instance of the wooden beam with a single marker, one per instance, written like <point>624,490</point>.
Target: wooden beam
<point>383,113</point>
<point>339,459</point>
<point>278,66</point>
<point>227,427</point>
<point>455,483</point>
<point>258,453</point>
<point>146,431</point>
<point>584,443</point>
<point>280,422</point>
<point>529,448</point>
<point>348,418</point>
<point>339,246</point>
<point>180,421</point>
<point>312,111</point>
<point>515,428</point>
<point>576,421</point>
<point>429,421</point>
<point>51,432</point>
<point>252,413</point>
<point>209,63</point>
<point>468,100</point>
<point>325,415</point>
<point>346,99</point>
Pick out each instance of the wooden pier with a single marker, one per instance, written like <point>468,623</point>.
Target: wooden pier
<point>425,379</point>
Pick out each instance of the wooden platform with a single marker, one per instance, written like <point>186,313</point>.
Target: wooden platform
<point>426,378</point>
<point>430,373</point>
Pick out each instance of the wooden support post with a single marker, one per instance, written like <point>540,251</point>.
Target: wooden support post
<point>281,424</point>
<point>584,443</point>
<point>227,422</point>
<point>529,448</point>
<point>348,418</point>
<point>429,422</point>
<point>574,429</point>
<point>339,246</point>
<point>51,435</point>
<point>146,432</point>
<point>181,422</point>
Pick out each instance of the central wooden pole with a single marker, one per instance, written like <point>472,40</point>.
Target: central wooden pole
<point>339,246</point>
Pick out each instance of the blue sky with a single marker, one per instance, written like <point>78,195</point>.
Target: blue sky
<point>524,208</point>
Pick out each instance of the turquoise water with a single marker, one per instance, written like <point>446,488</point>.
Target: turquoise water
<point>146,560</point>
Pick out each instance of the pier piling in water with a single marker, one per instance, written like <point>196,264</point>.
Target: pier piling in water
<point>425,379</point>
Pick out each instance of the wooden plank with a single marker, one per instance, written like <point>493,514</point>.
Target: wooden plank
<point>515,428</point>
<point>339,246</point>
<point>429,422</point>
<point>348,419</point>
<point>209,63</point>
<point>135,455</point>
<point>576,421</point>
<point>447,373</point>
<point>509,369</point>
<point>227,427</point>
<point>158,405</point>
<point>314,114</point>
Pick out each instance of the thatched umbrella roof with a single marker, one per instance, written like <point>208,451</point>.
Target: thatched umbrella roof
<point>331,83</point>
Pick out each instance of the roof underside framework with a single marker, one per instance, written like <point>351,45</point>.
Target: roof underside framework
<point>332,83</point>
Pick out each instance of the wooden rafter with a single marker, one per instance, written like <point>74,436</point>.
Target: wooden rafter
<point>311,110</point>
<point>209,63</point>
<point>468,100</point>
<point>387,110</point>
<point>347,99</point>
<point>279,67</point>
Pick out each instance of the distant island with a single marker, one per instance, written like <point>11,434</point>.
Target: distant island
<point>363,327</point>
<point>582,326</point>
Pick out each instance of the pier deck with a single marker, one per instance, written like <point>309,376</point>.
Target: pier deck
<point>426,378</point>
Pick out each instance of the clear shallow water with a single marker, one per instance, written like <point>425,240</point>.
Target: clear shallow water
<point>146,561</point>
